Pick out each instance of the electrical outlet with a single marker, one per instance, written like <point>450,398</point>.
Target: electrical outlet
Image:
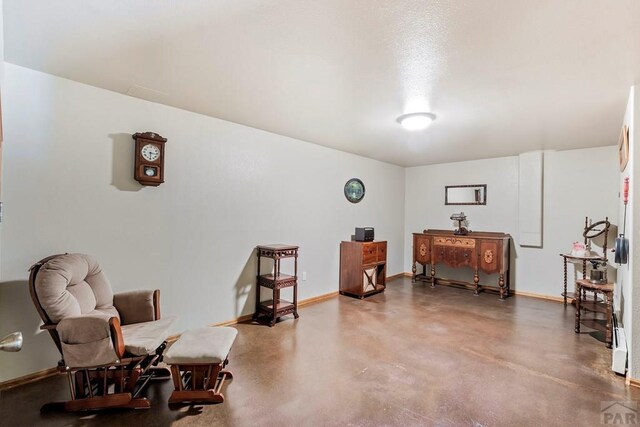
<point>304,275</point>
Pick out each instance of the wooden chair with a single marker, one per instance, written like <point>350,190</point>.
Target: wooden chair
<point>606,289</point>
<point>110,344</point>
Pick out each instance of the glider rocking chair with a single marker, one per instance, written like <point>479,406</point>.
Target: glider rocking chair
<point>110,344</point>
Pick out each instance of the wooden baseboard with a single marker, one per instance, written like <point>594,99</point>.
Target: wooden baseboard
<point>395,276</point>
<point>319,298</point>
<point>632,382</point>
<point>234,321</point>
<point>26,379</point>
<point>302,303</point>
<point>539,296</point>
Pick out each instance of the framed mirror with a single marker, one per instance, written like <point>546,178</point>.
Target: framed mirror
<point>475,194</point>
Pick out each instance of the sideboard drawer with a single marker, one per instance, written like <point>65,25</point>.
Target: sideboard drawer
<point>382,251</point>
<point>369,253</point>
<point>455,241</point>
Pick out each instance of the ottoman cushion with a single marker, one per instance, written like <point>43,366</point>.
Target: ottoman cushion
<point>202,345</point>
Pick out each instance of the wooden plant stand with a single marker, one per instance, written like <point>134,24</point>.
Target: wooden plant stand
<point>277,307</point>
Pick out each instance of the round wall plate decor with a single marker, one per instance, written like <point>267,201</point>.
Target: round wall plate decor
<point>354,190</point>
<point>623,148</point>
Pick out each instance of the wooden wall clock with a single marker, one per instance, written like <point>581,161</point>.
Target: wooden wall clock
<point>149,165</point>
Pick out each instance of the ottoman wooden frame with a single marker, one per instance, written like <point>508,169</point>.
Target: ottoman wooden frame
<point>200,378</point>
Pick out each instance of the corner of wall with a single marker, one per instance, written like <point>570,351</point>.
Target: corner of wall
<point>631,314</point>
<point>1,127</point>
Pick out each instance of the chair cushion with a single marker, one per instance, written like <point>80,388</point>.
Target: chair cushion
<point>86,341</point>
<point>143,338</point>
<point>202,345</point>
<point>83,329</point>
<point>135,306</point>
<point>71,285</point>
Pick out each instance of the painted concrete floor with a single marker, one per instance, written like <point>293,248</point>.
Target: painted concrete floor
<point>411,356</point>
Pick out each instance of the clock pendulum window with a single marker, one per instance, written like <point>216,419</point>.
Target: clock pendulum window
<point>149,158</point>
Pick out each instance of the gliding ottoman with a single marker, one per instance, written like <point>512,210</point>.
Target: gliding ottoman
<point>197,360</point>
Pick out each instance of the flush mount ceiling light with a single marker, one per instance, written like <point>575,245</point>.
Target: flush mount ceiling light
<point>416,121</point>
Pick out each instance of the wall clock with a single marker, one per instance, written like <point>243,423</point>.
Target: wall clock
<point>354,190</point>
<point>149,164</point>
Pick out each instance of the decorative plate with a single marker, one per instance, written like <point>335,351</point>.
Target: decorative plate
<point>354,190</point>
<point>623,148</point>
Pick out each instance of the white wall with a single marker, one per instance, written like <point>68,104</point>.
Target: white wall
<point>1,92</point>
<point>623,295</point>
<point>634,138</point>
<point>577,183</point>
<point>68,187</point>
<point>631,300</point>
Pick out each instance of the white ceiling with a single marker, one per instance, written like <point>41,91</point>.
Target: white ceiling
<point>503,76</point>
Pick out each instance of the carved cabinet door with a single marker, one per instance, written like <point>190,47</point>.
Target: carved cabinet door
<point>422,250</point>
<point>439,254</point>
<point>460,257</point>
<point>490,256</point>
<point>454,256</point>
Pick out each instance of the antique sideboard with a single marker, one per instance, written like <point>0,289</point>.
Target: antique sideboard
<point>478,250</point>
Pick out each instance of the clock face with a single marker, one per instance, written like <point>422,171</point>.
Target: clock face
<point>354,190</point>
<point>150,152</point>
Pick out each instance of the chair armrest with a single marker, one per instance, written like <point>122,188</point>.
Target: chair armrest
<point>137,306</point>
<point>47,326</point>
<point>90,340</point>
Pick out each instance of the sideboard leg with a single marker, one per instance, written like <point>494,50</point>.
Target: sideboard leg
<point>433,276</point>
<point>502,288</point>
<point>476,281</point>
<point>413,271</point>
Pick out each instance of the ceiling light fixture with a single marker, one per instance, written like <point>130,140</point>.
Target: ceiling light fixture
<point>416,121</point>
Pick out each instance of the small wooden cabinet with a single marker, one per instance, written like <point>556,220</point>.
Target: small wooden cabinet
<point>478,251</point>
<point>363,268</point>
<point>277,307</point>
